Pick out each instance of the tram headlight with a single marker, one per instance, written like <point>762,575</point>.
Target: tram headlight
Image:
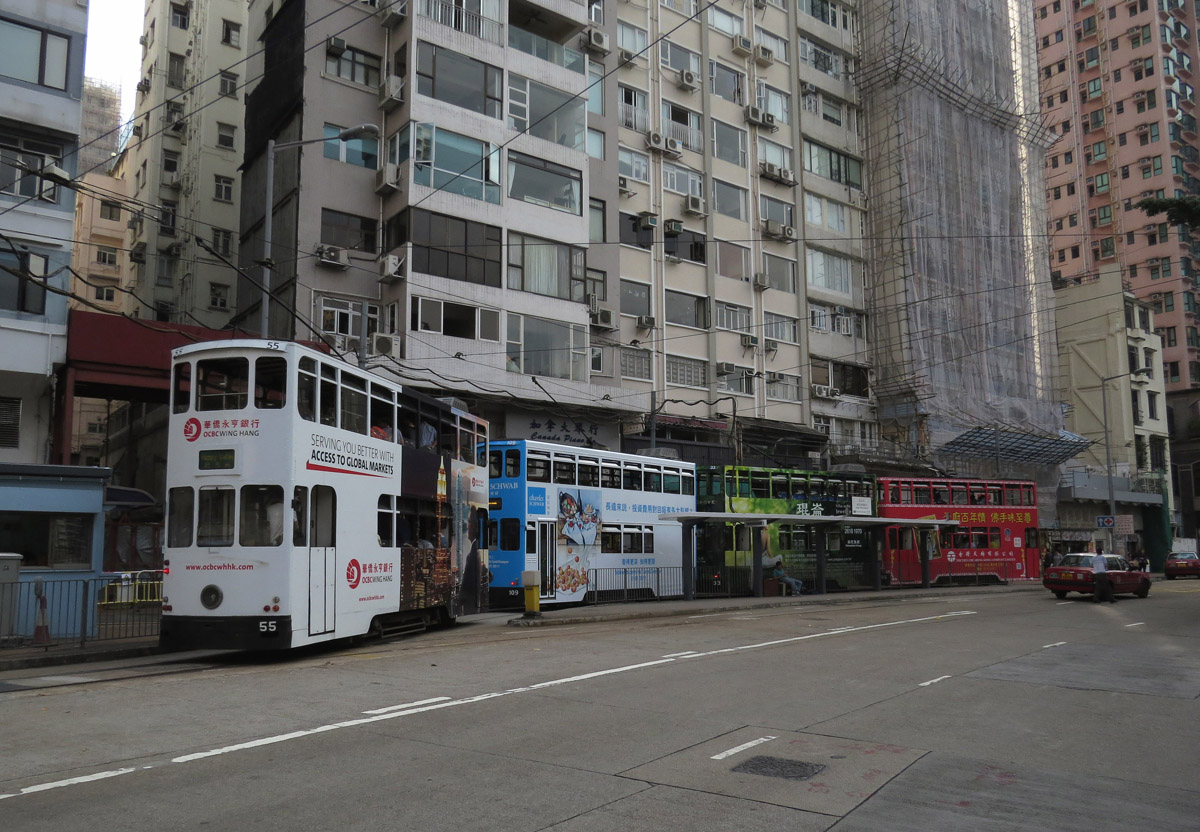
<point>211,597</point>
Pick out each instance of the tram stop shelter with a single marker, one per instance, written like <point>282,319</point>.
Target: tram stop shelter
<point>874,525</point>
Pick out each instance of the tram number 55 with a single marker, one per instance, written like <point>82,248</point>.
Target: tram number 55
<point>266,627</point>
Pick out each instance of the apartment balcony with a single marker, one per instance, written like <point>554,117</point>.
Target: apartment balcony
<point>690,137</point>
<point>634,118</point>
<point>547,50</point>
<point>462,20</point>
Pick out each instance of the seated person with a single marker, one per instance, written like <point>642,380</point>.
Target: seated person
<point>381,432</point>
<point>794,584</point>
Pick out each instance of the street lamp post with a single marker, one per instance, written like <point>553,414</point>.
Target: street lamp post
<point>1112,500</point>
<point>360,132</point>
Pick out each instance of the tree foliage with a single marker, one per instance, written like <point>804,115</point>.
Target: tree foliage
<point>1180,210</point>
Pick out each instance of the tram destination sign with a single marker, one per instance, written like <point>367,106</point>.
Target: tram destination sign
<point>219,459</point>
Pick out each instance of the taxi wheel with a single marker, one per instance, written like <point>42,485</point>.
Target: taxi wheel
<point>1060,594</point>
<point>1143,589</point>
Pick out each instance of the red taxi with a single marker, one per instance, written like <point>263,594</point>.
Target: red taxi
<point>1074,574</point>
<point>1182,563</point>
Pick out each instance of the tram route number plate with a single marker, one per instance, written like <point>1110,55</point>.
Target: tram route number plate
<point>268,627</point>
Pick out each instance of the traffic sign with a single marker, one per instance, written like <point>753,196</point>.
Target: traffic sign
<point>1105,521</point>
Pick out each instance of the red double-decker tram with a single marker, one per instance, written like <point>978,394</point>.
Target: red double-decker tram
<point>996,538</point>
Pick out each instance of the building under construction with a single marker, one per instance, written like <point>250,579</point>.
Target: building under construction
<point>99,138</point>
<point>957,268</point>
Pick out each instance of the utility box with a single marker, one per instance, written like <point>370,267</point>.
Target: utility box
<point>10,598</point>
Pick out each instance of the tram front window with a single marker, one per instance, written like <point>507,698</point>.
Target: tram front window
<point>270,383</point>
<point>214,526</point>
<point>222,383</point>
<point>262,516</point>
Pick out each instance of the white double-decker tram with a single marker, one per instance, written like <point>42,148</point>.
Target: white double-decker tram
<point>310,500</point>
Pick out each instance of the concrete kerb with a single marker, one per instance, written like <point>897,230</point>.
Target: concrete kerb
<point>653,609</point>
<point>78,656</point>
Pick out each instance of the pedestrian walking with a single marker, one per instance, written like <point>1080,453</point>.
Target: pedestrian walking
<point>1101,588</point>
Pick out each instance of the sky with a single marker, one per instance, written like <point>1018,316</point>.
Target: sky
<point>113,52</point>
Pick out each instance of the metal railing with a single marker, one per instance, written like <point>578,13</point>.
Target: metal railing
<point>547,50</point>
<point>462,20</point>
<point>689,137</point>
<point>46,613</point>
<point>634,118</point>
<point>634,583</point>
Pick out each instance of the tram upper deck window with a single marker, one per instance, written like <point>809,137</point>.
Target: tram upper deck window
<point>652,480</point>
<point>537,468</point>
<point>737,483</point>
<point>481,443</point>
<point>632,476</point>
<point>306,389</point>
<point>780,489</point>
<point>222,383</point>
<point>270,382</point>
<point>354,403</point>
<point>181,391</point>
<point>760,484</point>
<point>448,435</point>
<point>921,494</point>
<point>1027,497</point>
<point>670,481</point>
<point>383,413</point>
<point>610,475</point>
<point>995,495</point>
<point>495,464</point>
<point>329,396</point>
<point>978,493</point>
<point>894,493</point>
<point>589,472</point>
<point>959,494</point>
<point>941,493</point>
<point>181,516</point>
<point>466,442</point>
<point>1012,495</point>
<point>610,540</point>
<point>512,463</point>
<point>564,470</point>
<point>687,482</point>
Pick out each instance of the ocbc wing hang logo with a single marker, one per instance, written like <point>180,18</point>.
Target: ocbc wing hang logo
<point>353,573</point>
<point>191,429</point>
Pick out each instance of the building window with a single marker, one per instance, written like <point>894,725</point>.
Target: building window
<point>26,293</point>
<point>451,247</point>
<point>596,232</point>
<point>829,271</point>
<point>166,268</point>
<point>686,372</point>
<point>456,79</point>
<point>731,316</point>
<point>10,422</point>
<point>633,165</point>
<point>724,21</point>
<point>354,65</point>
<point>681,180</point>
<point>456,320</point>
<point>175,70</point>
<point>635,363</point>
<point>726,83</point>
<point>685,310</point>
<point>105,294</point>
<point>231,33</point>
<point>226,135</point>
<point>347,230</point>
<point>595,90</point>
<point>687,245</point>
<point>729,200</point>
<point>545,113</point>
<point>48,540</point>
<point>451,162</point>
<point>782,386</point>
<point>741,380</point>
<point>17,153</point>
<point>781,272</point>
<point>831,164</point>
<point>541,347</point>
<point>631,37</point>
<point>635,298</point>
<point>729,143</point>
<point>228,85</point>
<point>222,188</point>
<point>179,16</point>
<point>218,296</point>
<point>732,260</point>
<point>222,241</point>
<point>166,218</point>
<point>106,255</point>
<point>110,210</point>
<point>545,183</point>
<point>595,144</point>
<point>678,58</point>
<point>776,102</point>
<point>363,152</point>
<point>775,154</point>
<point>780,327</point>
<point>777,210</point>
<point>33,55</point>
<point>635,233</point>
<point>545,267</point>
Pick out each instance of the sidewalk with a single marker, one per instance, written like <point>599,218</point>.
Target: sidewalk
<point>22,658</point>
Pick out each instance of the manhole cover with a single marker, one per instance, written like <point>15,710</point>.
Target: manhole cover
<point>779,767</point>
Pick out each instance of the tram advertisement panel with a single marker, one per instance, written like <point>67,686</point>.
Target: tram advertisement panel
<point>579,520</point>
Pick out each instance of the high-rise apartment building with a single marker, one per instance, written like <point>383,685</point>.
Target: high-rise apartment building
<point>100,262</point>
<point>1115,87</point>
<point>100,137</point>
<point>41,83</point>
<point>184,153</point>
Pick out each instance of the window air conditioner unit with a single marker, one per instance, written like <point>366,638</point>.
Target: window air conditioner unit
<point>656,140</point>
<point>759,117</point>
<point>646,322</point>
<point>603,319</point>
<point>760,4</point>
<point>593,302</point>
<point>808,88</point>
<point>821,391</point>
<point>143,85</point>
<point>381,344</point>
<point>787,176</point>
<point>742,45</point>
<point>787,232</point>
<point>391,93</point>
<point>763,56</point>
<point>673,227</point>
<point>387,179</point>
<point>627,56</point>
<point>393,13</point>
<point>143,40</point>
<point>333,256</point>
<point>172,180</point>
<point>344,343</point>
<point>762,281</point>
<point>596,41</point>
<point>726,368</point>
<point>335,46</point>
<point>749,340</point>
<point>773,229</point>
<point>774,377</point>
<point>674,147</point>
<point>623,186</point>
<point>391,267</point>
<point>687,80</point>
<point>137,131</point>
<point>175,249</point>
<point>771,345</point>
<point>648,221</point>
<point>695,206</point>
<point>137,255</point>
<point>769,170</point>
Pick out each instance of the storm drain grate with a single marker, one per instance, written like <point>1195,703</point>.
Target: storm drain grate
<point>779,767</point>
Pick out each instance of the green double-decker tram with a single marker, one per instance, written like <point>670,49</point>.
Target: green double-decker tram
<point>724,552</point>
